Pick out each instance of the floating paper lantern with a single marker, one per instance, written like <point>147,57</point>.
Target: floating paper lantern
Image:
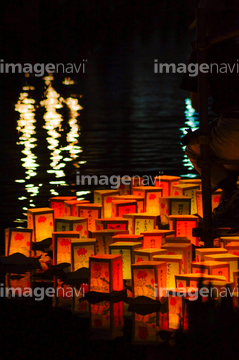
<point>151,195</point>
<point>127,183</point>
<point>192,280</point>
<point>70,207</point>
<point>147,254</point>
<point>139,223</point>
<point>104,239</point>
<point>225,240</point>
<point>145,329</point>
<point>106,275</point>
<point>18,241</point>
<point>171,205</point>
<point>126,250</point>
<point>216,197</point>
<point>81,250</point>
<point>139,199</point>
<point>116,223</point>
<point>191,182</point>
<point>233,261</point>
<point>187,190</point>
<point>233,248</point>
<point>183,226</point>
<point>41,220</point>
<point>154,238</point>
<point>61,245</point>
<point>200,253</point>
<point>212,268</point>
<point>57,204</point>
<point>174,267</point>
<point>148,279</point>
<point>166,182</point>
<point>127,237</point>
<point>71,223</point>
<point>91,212</point>
<point>105,197</point>
<point>185,250</point>
<point>120,207</point>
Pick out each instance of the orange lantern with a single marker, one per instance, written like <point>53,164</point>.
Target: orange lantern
<point>41,220</point>
<point>174,266</point>
<point>212,268</point>
<point>171,205</point>
<point>105,197</point>
<point>127,183</point>
<point>175,240</point>
<point>151,195</point>
<point>117,223</point>
<point>200,253</point>
<point>185,250</point>
<point>57,204</point>
<point>91,212</point>
<point>70,207</point>
<point>233,261</point>
<point>138,223</point>
<point>192,280</point>
<point>153,238</point>
<point>216,197</point>
<point>233,248</point>
<point>225,240</point>
<point>187,190</point>
<point>106,275</point>
<point>81,250</point>
<point>71,223</point>
<point>18,241</point>
<point>166,182</point>
<point>147,254</point>
<point>126,250</point>
<point>183,226</point>
<point>120,207</point>
<point>127,237</point>
<point>145,329</point>
<point>139,199</point>
<point>104,239</point>
<point>61,245</point>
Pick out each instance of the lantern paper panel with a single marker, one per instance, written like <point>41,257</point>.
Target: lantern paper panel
<point>115,223</point>
<point>81,250</point>
<point>126,250</point>
<point>138,223</point>
<point>212,268</point>
<point>191,280</point>
<point>91,212</point>
<point>185,250</point>
<point>120,207</point>
<point>166,182</point>
<point>71,223</point>
<point>145,329</point>
<point>41,220</point>
<point>127,238</point>
<point>174,267</point>
<point>106,274</point>
<point>225,240</point>
<point>154,238</point>
<point>191,182</point>
<point>61,245</point>
<point>70,207</point>
<point>171,205</point>
<point>18,241</point>
<point>187,190</point>
<point>57,204</point>
<point>200,253</point>
<point>105,197</point>
<point>233,248</point>
<point>233,261</point>
<point>151,195</point>
<point>148,279</point>
<point>127,183</point>
<point>216,197</point>
<point>104,238</point>
<point>139,199</point>
<point>147,254</point>
<point>183,226</point>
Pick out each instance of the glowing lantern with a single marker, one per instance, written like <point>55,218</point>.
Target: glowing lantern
<point>105,197</point>
<point>127,183</point>
<point>149,279</point>
<point>61,245</point>
<point>233,261</point>
<point>120,207</point>
<point>41,220</point>
<point>187,190</point>
<point>233,248</point>
<point>183,226</point>
<point>171,205</point>
<point>71,223</point>
<point>117,223</point>
<point>147,254</point>
<point>191,182</point>
<point>139,199</point>
<point>106,275</point>
<point>181,249</point>
<point>151,195</point>
<point>200,253</point>
<point>106,320</point>
<point>192,280</point>
<point>145,329</point>
<point>57,204</point>
<point>91,212</point>
<point>212,268</point>
<point>18,241</point>
<point>70,207</point>
<point>174,267</point>
<point>216,197</point>
<point>166,183</point>
<point>127,237</point>
<point>225,240</point>
<point>139,223</point>
<point>153,238</point>
<point>126,250</point>
<point>81,250</point>
<point>104,239</point>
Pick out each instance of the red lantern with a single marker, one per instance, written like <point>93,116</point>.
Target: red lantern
<point>120,207</point>
<point>166,182</point>
<point>183,226</point>
<point>139,199</point>
<point>154,238</point>
<point>151,195</point>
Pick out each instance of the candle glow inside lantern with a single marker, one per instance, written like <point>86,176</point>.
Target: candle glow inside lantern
<point>233,261</point>
<point>151,195</point>
<point>192,280</point>
<point>70,207</point>
<point>120,207</point>
<point>105,197</point>
<point>71,223</point>
<point>106,274</point>
<point>183,226</point>
<point>138,223</point>
<point>200,253</point>
<point>126,250</point>
<point>61,245</point>
<point>166,182</point>
<point>171,205</point>
<point>81,250</point>
<point>148,279</point>
<point>185,250</point>
<point>174,267</point>
<point>116,223</point>
<point>147,254</point>
<point>212,268</point>
<point>225,240</point>
<point>233,248</point>
<point>104,238</point>
<point>216,197</point>
<point>127,238</point>
<point>41,220</point>
<point>153,238</point>
<point>91,212</point>
<point>18,241</point>
<point>57,204</point>
<point>187,190</point>
<point>139,199</point>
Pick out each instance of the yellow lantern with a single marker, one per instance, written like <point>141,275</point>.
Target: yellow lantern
<point>41,220</point>
<point>120,207</point>
<point>187,190</point>
<point>71,223</point>
<point>166,182</point>
<point>57,204</point>
<point>139,199</point>
<point>61,245</point>
<point>138,223</point>
<point>200,253</point>
<point>171,205</point>
<point>116,223</point>
<point>174,267</point>
<point>18,241</point>
<point>104,239</point>
<point>81,250</point>
<point>154,238</point>
<point>91,212</point>
<point>212,268</point>
<point>216,198</point>
<point>70,207</point>
<point>185,250</point>
<point>233,248</point>
<point>225,240</point>
<point>147,254</point>
<point>233,261</point>
<point>151,195</point>
<point>183,226</point>
<point>105,197</point>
